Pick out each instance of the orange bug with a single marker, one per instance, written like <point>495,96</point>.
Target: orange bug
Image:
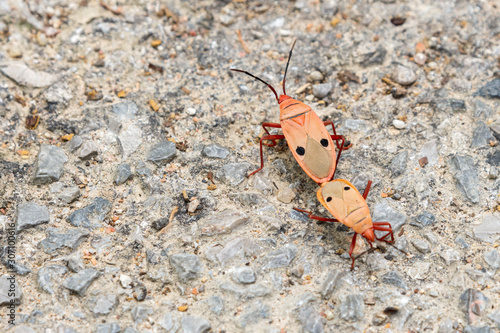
<point>349,207</point>
<point>305,133</point>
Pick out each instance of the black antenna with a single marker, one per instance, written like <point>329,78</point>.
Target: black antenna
<point>286,69</point>
<point>255,77</point>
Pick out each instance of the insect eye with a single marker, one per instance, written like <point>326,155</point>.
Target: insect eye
<point>328,199</point>
<point>324,142</point>
<point>300,150</point>
<point>347,188</point>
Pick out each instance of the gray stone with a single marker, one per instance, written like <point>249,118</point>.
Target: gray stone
<point>49,164</point>
<point>241,248</point>
<point>466,177</point>
<point>261,182</point>
<point>81,281</point>
<point>102,304</point>
<point>495,128</point>
<point>492,258</point>
<point>55,240</point>
<point>69,194</point>
<point>108,328</point>
<point>170,322</point>
<point>494,158</point>
<point>421,245</point>
<point>403,75</point>
<point>130,139</point>
<point>141,312</point>
<point>449,105</point>
<point>393,278</point>
<point>224,222</point>
<point>12,263</point>
<point>88,150</point>
<point>125,111</point>
<point>481,109</point>
<point>25,76</point>
<point>461,242</point>
<point>369,53</point>
<point>213,150</point>
<point>75,143</point>
<point>215,304</point>
<point>473,303</point>
<point>65,329</point>
<point>478,329</point>
<point>450,256</point>
<point>281,257</point>
<point>187,266</point>
<point>310,319</point>
<point>316,76</point>
<point>252,291</point>
<point>352,308</point>
<point>123,173</point>
<point>398,164</point>
<point>490,89</point>
<point>233,173</point>
<point>90,216</point>
<point>423,220</point>
<point>160,223</point>
<point>30,214</point>
<point>6,282</point>
<point>46,274</point>
<point>253,313</point>
<point>74,262</point>
<point>383,212</point>
<point>322,90</point>
<point>333,281</point>
<point>243,275</point>
<point>482,136</point>
<point>192,324</point>
<point>429,150</point>
<point>162,152</point>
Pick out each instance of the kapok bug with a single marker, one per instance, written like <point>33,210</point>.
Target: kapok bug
<point>349,207</point>
<point>305,133</point>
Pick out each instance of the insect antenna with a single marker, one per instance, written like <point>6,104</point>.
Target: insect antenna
<point>257,78</point>
<point>286,69</point>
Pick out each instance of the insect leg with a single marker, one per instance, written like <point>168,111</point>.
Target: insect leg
<point>379,226</point>
<point>314,217</point>
<point>270,125</point>
<point>329,122</point>
<point>353,244</point>
<point>367,189</point>
<point>266,137</point>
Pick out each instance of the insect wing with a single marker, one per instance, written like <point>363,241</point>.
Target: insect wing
<point>344,202</point>
<point>311,145</point>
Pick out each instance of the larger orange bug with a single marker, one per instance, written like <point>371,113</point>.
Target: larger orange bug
<point>349,207</point>
<point>305,133</point>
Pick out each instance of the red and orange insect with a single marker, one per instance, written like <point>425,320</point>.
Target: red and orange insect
<point>349,207</point>
<point>305,133</point>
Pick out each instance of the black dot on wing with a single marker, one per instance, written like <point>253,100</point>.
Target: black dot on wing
<point>328,199</point>
<point>300,150</point>
<point>347,188</point>
<point>324,142</point>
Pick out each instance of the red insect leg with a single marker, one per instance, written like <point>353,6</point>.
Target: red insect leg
<point>379,226</point>
<point>266,137</point>
<point>270,125</point>
<point>367,189</point>
<point>329,122</point>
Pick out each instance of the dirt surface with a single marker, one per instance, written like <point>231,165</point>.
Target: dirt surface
<point>126,141</point>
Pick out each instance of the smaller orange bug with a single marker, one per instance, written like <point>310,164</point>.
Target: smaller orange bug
<point>305,134</point>
<point>349,207</point>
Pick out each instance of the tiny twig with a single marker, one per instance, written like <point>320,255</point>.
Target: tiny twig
<point>242,41</point>
<point>170,219</point>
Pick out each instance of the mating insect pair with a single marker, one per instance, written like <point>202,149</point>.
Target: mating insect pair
<point>312,147</point>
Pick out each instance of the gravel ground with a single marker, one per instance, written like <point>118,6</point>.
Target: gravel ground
<point>125,141</point>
